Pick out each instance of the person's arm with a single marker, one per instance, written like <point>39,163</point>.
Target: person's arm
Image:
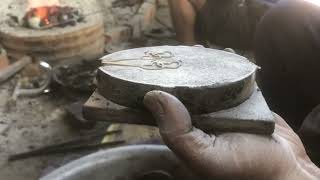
<point>183,16</point>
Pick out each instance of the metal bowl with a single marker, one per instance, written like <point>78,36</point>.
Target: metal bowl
<point>126,163</point>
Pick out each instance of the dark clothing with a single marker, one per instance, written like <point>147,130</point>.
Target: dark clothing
<point>230,23</point>
<point>287,47</point>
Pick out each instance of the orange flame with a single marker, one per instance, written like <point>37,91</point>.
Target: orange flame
<point>41,12</point>
<point>41,8</point>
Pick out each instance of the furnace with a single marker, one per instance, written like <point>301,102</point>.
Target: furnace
<point>54,32</point>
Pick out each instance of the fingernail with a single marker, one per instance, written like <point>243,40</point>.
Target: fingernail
<point>152,102</point>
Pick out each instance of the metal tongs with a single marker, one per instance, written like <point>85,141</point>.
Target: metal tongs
<point>151,60</point>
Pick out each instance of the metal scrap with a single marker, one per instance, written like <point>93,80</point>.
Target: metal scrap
<point>19,91</point>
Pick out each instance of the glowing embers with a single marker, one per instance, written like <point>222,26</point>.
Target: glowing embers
<point>45,17</point>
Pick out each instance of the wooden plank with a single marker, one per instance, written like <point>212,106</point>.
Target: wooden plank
<point>252,116</point>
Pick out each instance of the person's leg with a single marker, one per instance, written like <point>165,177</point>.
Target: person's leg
<point>183,14</point>
<point>287,47</point>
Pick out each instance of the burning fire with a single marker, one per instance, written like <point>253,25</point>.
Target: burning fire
<point>41,9</point>
<point>44,14</point>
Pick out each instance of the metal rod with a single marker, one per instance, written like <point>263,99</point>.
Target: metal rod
<point>63,150</point>
<point>73,144</point>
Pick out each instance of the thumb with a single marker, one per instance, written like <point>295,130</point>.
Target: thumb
<point>171,115</point>
<point>175,125</point>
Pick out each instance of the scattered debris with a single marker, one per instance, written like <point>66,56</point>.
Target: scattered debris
<point>78,77</point>
<point>34,86</point>
<point>125,3</point>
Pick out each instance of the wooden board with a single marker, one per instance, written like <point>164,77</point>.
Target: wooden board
<point>252,116</point>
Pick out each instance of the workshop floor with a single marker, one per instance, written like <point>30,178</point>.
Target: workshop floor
<point>30,123</point>
<point>27,124</point>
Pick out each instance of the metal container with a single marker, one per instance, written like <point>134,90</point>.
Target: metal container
<point>125,163</point>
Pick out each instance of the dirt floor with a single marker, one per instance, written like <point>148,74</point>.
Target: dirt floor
<point>30,123</point>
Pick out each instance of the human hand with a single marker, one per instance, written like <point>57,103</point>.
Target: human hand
<point>230,155</point>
